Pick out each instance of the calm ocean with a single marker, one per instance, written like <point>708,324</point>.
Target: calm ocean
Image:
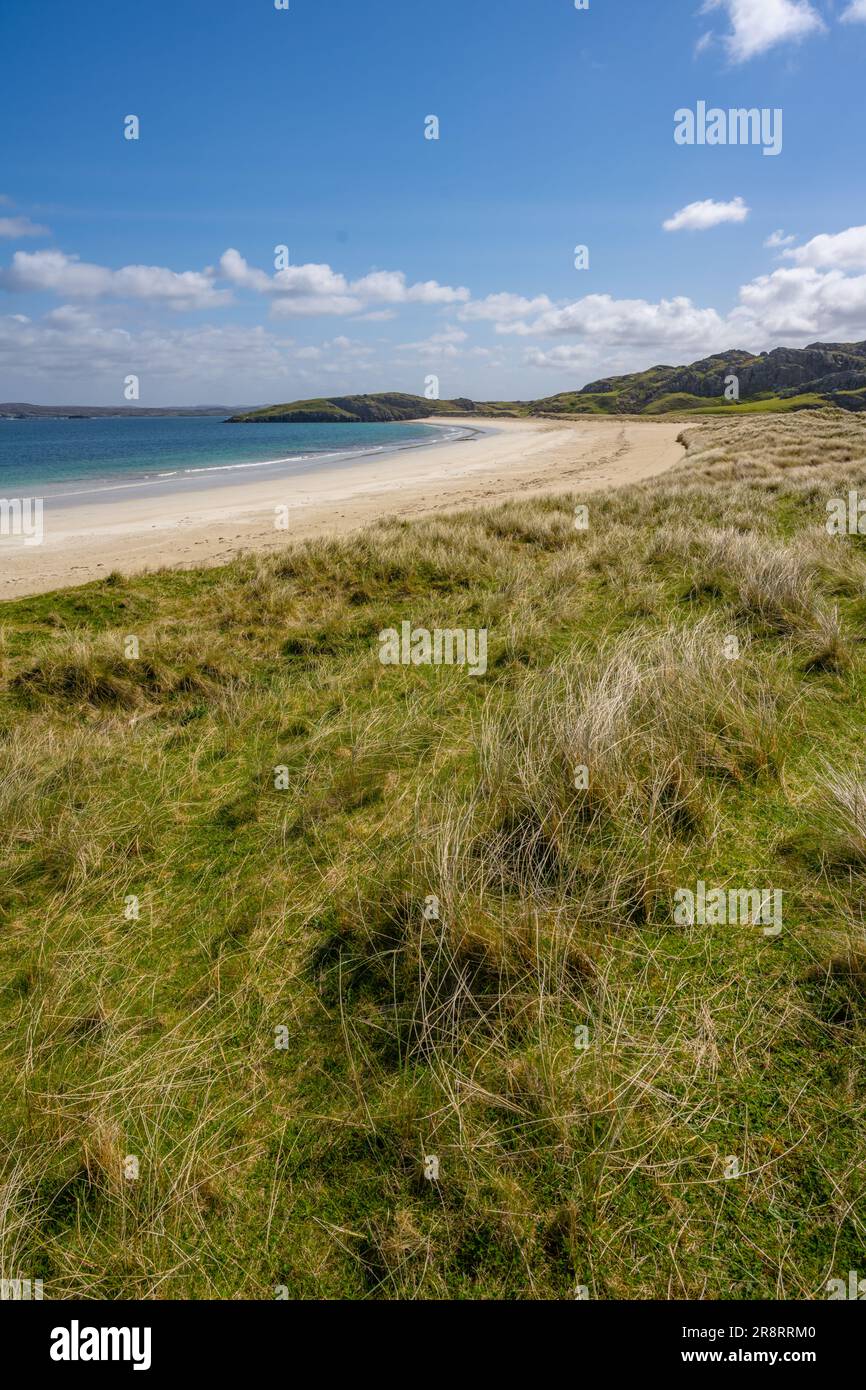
<point>52,457</point>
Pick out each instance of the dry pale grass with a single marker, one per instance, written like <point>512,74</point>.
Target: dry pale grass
<point>439,904</point>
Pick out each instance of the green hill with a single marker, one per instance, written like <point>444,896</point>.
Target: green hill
<point>781,380</point>
<point>354,410</point>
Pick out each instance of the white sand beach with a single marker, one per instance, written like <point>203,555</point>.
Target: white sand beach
<point>187,528</point>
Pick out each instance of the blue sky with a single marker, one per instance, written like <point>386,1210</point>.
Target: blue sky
<point>412,257</point>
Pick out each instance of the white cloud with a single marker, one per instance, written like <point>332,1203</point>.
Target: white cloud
<point>297,291</point>
<point>302,290</point>
<point>777,239</point>
<point>71,278</point>
<point>71,343</point>
<point>307,298</point>
<point>503,309</point>
<point>669,324</point>
<point>574,357</point>
<point>800,305</point>
<point>791,307</point>
<point>439,346</point>
<point>233,267</point>
<point>819,292</point>
<point>813,299</point>
<point>843,250</point>
<point>855,13</point>
<point>20,226</point>
<point>697,217</point>
<point>759,25</point>
<point>389,287</point>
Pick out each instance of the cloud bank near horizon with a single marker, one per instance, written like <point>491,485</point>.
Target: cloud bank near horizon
<point>818,292</point>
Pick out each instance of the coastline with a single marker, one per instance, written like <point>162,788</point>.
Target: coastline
<point>208,522</point>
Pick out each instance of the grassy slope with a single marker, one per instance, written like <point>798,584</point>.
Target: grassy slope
<point>657,391</point>
<point>566,405</point>
<point>385,406</point>
<point>303,907</point>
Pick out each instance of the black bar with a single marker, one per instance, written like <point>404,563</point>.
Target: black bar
<point>648,1338</point>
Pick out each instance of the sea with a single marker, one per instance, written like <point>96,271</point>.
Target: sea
<point>80,460</point>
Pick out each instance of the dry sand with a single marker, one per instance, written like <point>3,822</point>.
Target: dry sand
<point>190,528</point>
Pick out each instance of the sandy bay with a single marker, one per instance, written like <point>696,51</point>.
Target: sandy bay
<point>188,522</point>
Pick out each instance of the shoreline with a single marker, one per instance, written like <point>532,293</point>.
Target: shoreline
<point>208,524</point>
<point>181,477</point>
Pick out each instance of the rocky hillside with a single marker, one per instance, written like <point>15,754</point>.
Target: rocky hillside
<point>784,379</point>
<point>821,374</point>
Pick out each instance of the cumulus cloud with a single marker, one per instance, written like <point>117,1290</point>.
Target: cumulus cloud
<point>302,290</point>
<point>389,287</point>
<point>801,304</point>
<point>759,25</point>
<point>503,309</point>
<point>444,345</point>
<point>71,343</point>
<point>573,357</point>
<point>71,278</point>
<point>818,292</point>
<point>233,267</point>
<point>792,306</point>
<point>669,323</point>
<point>814,298</point>
<point>697,217</point>
<point>777,239</point>
<point>297,291</point>
<point>855,13</point>
<point>20,226</point>
<point>842,250</point>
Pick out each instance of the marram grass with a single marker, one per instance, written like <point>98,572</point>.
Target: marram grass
<point>240,1018</point>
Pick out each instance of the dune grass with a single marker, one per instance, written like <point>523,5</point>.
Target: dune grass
<point>239,1018</point>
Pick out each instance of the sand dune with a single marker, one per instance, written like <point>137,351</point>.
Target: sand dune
<point>186,528</point>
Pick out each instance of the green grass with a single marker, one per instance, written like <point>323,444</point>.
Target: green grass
<point>385,406</point>
<point>302,909</point>
<point>770,405</point>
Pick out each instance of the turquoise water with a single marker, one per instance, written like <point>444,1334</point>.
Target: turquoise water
<point>81,458</point>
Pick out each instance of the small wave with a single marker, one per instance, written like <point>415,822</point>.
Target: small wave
<point>152,478</point>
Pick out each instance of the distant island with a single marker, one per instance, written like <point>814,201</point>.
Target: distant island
<point>23,410</point>
<point>784,379</point>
